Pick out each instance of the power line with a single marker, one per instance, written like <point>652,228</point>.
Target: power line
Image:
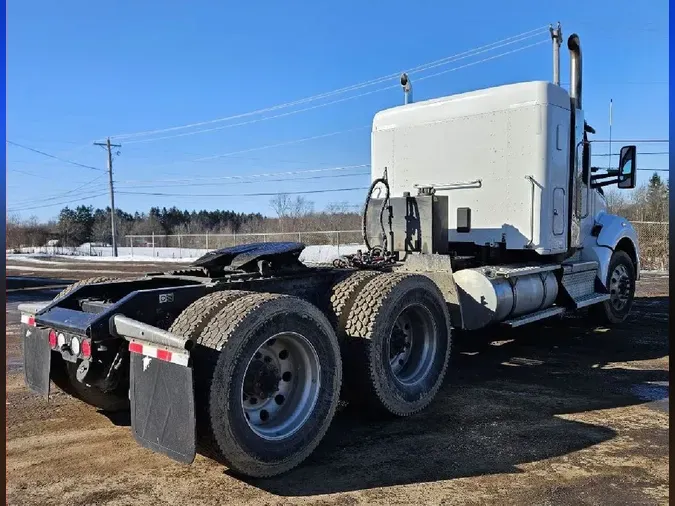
<point>53,156</point>
<point>332,176</point>
<point>287,143</point>
<point>29,174</point>
<point>61,195</point>
<point>639,153</point>
<point>484,60</point>
<point>420,68</point>
<point>247,176</point>
<point>332,102</point>
<point>81,199</point>
<point>261,194</point>
<point>649,170</point>
<point>643,141</point>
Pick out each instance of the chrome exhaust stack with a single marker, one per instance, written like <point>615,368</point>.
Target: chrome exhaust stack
<point>574,46</point>
<point>556,37</point>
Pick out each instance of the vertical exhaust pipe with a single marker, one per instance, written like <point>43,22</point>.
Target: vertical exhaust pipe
<point>556,37</point>
<point>574,46</point>
<point>407,89</point>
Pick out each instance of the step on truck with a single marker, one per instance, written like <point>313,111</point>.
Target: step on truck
<point>484,210</point>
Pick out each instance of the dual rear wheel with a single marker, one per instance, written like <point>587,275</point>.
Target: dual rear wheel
<point>268,368</point>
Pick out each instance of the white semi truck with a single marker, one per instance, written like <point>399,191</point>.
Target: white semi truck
<point>484,210</point>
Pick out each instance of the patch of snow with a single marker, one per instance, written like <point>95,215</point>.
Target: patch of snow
<point>326,254</point>
<point>310,255</point>
<point>38,259</point>
<point>64,269</point>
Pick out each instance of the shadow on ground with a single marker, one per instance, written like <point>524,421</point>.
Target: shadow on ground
<point>498,407</point>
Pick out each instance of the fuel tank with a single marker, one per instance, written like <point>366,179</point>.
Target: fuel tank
<point>492,294</point>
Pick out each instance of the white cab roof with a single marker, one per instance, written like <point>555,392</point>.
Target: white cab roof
<point>471,103</point>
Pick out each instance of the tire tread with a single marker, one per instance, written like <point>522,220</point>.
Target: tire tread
<point>361,326</point>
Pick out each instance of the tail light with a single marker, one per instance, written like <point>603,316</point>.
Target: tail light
<point>60,340</point>
<point>75,346</point>
<point>52,339</point>
<point>86,348</point>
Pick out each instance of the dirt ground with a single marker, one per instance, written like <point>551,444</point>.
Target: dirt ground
<point>557,413</point>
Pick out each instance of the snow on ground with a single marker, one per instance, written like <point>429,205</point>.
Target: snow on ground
<point>55,269</point>
<point>326,254</point>
<point>40,258</point>
<point>310,255</point>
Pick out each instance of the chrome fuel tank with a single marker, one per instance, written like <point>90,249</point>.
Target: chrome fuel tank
<point>486,297</point>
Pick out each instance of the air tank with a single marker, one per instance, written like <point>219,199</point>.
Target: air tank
<point>493,294</point>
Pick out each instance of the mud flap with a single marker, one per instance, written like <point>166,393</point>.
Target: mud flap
<point>36,359</point>
<point>163,406</point>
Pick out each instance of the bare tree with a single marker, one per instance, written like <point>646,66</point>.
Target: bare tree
<point>281,204</point>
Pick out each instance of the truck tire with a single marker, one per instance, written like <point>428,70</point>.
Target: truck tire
<point>194,318</point>
<point>83,282</point>
<point>342,297</point>
<point>397,346</point>
<point>273,382</point>
<point>63,374</point>
<point>621,285</point>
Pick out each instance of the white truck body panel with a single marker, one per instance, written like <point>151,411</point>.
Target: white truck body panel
<point>499,136</point>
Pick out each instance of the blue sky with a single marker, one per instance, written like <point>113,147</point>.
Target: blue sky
<point>79,71</point>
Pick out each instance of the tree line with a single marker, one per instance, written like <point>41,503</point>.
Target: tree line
<point>648,202</point>
<point>86,224</point>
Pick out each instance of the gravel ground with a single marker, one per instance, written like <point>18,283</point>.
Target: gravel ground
<point>557,413</point>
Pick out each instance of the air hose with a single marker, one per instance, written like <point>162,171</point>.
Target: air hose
<point>384,181</point>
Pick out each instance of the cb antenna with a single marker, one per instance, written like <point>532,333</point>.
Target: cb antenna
<point>556,38</point>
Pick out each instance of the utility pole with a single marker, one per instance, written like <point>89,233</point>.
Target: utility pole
<point>109,147</point>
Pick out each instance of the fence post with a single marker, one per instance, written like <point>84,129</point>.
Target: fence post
<point>337,239</point>
<point>179,248</point>
<point>153,245</point>
<point>131,245</point>
<point>234,239</point>
<point>299,237</point>
<point>207,241</point>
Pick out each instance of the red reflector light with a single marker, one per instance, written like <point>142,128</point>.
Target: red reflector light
<point>164,355</point>
<point>31,321</point>
<point>86,349</point>
<point>52,338</point>
<point>135,348</point>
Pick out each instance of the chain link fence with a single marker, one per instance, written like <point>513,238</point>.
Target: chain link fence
<point>192,245</point>
<point>653,238</point>
<point>654,244</point>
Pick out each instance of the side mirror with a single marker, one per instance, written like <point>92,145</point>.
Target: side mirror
<point>627,167</point>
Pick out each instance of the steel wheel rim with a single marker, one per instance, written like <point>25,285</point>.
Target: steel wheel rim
<point>619,287</point>
<point>281,386</point>
<point>412,344</point>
